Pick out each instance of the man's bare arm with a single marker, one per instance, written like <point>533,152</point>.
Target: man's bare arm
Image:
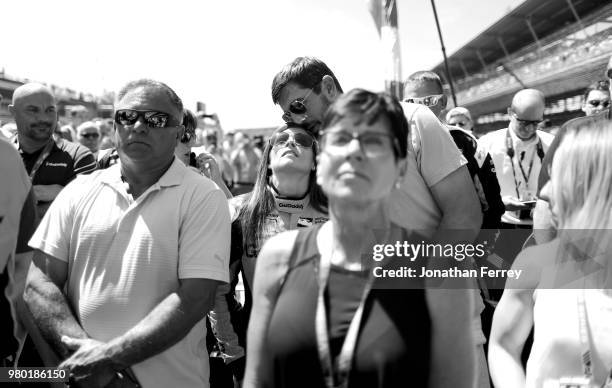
<point>47,193</point>
<point>48,305</point>
<point>458,201</point>
<point>169,322</point>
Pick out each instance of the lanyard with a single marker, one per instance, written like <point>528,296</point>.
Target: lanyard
<point>345,359</point>
<point>510,152</point>
<point>41,158</point>
<point>583,331</point>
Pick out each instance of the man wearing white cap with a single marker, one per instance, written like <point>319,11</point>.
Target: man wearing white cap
<point>460,117</point>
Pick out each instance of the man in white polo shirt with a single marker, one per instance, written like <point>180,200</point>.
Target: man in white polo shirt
<point>139,249</point>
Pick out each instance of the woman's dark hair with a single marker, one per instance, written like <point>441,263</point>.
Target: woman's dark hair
<point>260,202</point>
<point>190,122</point>
<point>362,105</point>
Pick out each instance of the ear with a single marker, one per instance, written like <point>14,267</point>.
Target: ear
<point>180,131</point>
<point>403,167</point>
<point>328,88</point>
<point>11,109</point>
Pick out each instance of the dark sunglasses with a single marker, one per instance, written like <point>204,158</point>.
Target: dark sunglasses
<point>187,136</point>
<point>92,135</point>
<point>297,106</point>
<point>299,138</point>
<point>596,103</point>
<point>152,118</point>
<point>526,123</point>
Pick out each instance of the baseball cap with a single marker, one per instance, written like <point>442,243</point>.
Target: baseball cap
<point>458,111</point>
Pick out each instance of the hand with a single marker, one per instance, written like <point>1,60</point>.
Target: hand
<point>513,204</point>
<point>90,364</point>
<point>207,164</point>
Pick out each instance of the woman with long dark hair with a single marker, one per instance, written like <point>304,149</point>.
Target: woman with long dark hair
<point>285,197</point>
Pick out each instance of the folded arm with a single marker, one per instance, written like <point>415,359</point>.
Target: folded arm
<point>48,305</point>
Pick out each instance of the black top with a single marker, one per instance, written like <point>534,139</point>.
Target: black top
<point>577,124</point>
<point>393,347</point>
<point>63,164</point>
<point>483,176</point>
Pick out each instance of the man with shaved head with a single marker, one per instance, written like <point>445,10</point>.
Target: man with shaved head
<point>517,153</point>
<point>50,164</point>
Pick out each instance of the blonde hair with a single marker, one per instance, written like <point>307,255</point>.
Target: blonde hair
<point>581,178</point>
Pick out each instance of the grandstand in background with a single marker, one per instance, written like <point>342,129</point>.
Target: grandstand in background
<point>556,46</point>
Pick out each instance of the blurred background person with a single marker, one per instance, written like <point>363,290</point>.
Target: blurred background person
<point>9,130</point>
<point>187,139</point>
<point>314,297</point>
<point>211,145</point>
<point>460,117</point>
<point>244,161</point>
<point>17,217</point>
<point>573,325</point>
<point>88,134</point>
<point>596,97</point>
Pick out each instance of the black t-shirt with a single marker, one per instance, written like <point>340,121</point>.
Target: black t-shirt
<point>574,124</point>
<point>63,164</point>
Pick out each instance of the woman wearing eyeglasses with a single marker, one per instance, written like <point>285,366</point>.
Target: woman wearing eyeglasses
<point>320,317</point>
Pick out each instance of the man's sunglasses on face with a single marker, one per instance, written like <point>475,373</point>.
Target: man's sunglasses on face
<point>526,123</point>
<point>432,100</point>
<point>152,118</point>
<point>301,139</point>
<point>595,103</point>
<point>297,107</point>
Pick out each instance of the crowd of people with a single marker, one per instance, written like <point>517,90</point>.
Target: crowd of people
<point>159,251</point>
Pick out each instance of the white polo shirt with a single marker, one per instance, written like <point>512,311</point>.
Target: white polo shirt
<point>125,256</point>
<point>512,179</point>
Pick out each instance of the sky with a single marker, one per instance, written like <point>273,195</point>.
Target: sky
<point>224,53</point>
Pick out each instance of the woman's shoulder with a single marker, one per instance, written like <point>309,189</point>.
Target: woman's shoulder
<point>533,262</point>
<point>538,255</point>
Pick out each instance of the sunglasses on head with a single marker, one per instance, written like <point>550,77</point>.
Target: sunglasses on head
<point>92,135</point>
<point>152,118</point>
<point>596,103</point>
<point>299,138</point>
<point>187,136</point>
<point>427,100</point>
